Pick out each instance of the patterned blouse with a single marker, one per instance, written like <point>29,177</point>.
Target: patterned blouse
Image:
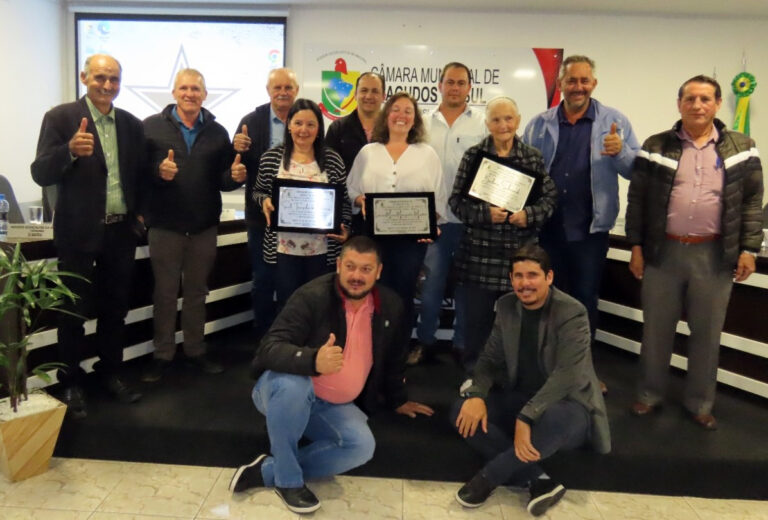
<point>302,244</point>
<point>269,166</point>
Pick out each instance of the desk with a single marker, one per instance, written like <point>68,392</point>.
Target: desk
<point>743,354</point>
<point>227,304</point>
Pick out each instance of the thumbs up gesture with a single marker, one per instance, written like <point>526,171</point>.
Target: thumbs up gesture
<point>81,144</point>
<point>612,143</point>
<point>241,141</point>
<point>168,168</point>
<point>330,357</point>
<point>238,170</point>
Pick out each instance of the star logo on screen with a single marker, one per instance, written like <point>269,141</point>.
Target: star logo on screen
<point>157,97</point>
<point>338,94</point>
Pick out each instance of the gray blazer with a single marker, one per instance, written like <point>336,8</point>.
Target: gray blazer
<point>564,355</point>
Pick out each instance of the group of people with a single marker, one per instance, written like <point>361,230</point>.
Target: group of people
<point>335,345</point>
<point>116,177</point>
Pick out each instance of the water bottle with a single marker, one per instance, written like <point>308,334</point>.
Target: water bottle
<point>4,209</point>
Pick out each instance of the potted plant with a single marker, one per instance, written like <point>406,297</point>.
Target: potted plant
<point>29,425</point>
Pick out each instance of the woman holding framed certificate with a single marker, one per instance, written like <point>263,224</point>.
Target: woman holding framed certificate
<point>301,189</point>
<point>510,174</point>
<point>399,173</point>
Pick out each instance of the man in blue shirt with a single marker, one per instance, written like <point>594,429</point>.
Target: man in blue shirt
<point>586,146</point>
<point>191,162</point>
<point>257,132</point>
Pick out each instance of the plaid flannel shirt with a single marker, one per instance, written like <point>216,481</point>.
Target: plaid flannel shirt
<point>486,248</point>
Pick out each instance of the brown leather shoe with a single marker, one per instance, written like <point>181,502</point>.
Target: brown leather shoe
<point>705,420</point>
<point>640,408</point>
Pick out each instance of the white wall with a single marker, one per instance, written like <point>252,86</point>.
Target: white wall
<point>641,60</point>
<point>34,72</point>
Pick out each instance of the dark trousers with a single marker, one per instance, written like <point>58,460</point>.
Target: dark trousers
<point>578,268</point>
<point>479,306</point>
<point>402,261</point>
<point>564,425</point>
<point>262,281</point>
<point>106,298</point>
<point>294,271</point>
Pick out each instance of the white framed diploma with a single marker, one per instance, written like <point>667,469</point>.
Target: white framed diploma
<point>501,185</point>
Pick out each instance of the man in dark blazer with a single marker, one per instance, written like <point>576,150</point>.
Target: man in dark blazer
<point>94,154</point>
<point>259,131</point>
<point>533,391</point>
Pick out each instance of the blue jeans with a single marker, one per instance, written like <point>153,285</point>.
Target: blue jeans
<point>578,268</point>
<point>402,259</point>
<point>564,425</point>
<point>479,304</point>
<point>263,281</point>
<point>341,438</point>
<point>438,262</point>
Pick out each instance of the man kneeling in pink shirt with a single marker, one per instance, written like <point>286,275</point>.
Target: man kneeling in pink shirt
<point>332,351</point>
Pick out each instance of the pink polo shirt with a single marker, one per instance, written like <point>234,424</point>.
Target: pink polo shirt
<point>696,200</point>
<point>345,385</point>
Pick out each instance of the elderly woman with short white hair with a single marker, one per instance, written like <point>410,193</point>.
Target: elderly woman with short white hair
<point>492,234</point>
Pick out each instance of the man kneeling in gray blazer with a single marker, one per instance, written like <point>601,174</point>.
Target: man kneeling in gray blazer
<point>534,390</point>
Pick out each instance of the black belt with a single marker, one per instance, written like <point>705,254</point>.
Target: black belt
<point>115,218</point>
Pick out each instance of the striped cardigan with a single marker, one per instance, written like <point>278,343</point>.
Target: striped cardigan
<point>269,165</point>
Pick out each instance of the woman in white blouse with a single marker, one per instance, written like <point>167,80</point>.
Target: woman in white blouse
<point>300,257</point>
<point>398,160</point>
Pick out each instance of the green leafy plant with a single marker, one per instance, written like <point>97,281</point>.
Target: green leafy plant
<point>28,289</point>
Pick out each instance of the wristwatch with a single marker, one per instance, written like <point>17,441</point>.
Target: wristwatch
<point>752,253</point>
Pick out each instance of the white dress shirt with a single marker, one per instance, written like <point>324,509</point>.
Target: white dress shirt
<point>450,143</point>
<point>418,169</point>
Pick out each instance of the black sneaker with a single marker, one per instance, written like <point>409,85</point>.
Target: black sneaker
<point>545,493</point>
<point>154,372</point>
<point>205,365</point>
<point>248,476</point>
<point>299,500</point>
<point>475,492</point>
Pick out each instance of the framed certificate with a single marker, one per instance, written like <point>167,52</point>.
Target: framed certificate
<point>398,215</point>
<point>306,207</point>
<point>498,181</point>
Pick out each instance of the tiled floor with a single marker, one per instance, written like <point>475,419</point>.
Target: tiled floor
<point>77,489</point>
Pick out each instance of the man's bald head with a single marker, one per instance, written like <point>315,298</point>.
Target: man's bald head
<point>282,88</point>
